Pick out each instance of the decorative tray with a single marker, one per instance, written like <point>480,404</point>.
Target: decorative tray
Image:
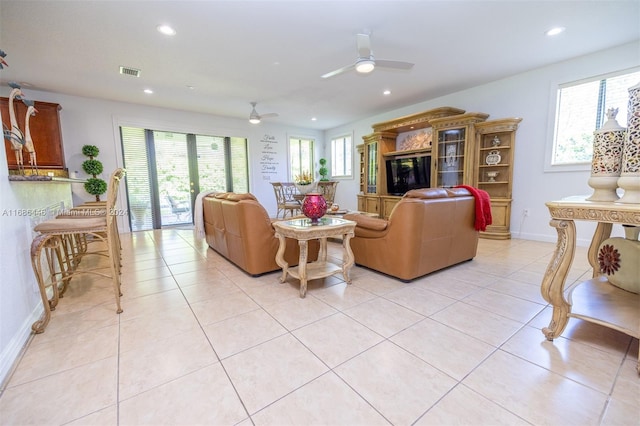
<point>337,212</point>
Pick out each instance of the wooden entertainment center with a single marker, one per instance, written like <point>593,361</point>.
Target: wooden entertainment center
<point>464,149</point>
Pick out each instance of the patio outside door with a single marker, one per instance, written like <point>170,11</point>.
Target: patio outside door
<point>174,177</point>
<point>167,170</point>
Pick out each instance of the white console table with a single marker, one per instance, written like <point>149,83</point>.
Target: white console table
<point>594,300</point>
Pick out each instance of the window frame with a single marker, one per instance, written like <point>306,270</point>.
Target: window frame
<point>554,108</point>
<point>299,138</point>
<point>350,147</point>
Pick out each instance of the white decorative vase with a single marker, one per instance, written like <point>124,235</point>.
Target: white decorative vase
<point>629,179</point>
<point>618,259</point>
<point>608,143</point>
<point>305,189</point>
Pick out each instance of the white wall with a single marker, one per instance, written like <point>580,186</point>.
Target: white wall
<point>531,96</point>
<point>91,121</point>
<point>19,298</point>
<point>96,122</point>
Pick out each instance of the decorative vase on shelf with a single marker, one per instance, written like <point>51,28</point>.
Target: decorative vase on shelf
<point>314,206</point>
<point>608,143</point>
<point>618,259</point>
<point>629,179</point>
<point>493,158</point>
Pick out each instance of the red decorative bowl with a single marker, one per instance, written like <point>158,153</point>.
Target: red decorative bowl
<point>314,206</point>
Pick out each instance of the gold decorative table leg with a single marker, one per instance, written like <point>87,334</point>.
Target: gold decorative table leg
<point>555,276</point>
<point>322,254</point>
<point>280,256</point>
<point>302,267</point>
<point>347,258</point>
<point>603,231</point>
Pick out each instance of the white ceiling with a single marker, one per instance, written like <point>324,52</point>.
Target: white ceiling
<point>274,52</point>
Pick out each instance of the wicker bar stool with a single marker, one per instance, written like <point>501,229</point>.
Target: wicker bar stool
<point>58,242</point>
<point>77,245</point>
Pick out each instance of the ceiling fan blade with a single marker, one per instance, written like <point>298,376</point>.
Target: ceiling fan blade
<point>269,114</point>
<point>364,45</point>
<point>399,65</point>
<point>338,71</point>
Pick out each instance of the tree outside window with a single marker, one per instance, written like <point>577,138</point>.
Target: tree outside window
<point>582,108</point>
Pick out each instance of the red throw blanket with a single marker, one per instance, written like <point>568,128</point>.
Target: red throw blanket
<point>483,206</point>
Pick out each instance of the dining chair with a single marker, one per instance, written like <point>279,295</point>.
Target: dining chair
<point>328,190</point>
<point>284,199</point>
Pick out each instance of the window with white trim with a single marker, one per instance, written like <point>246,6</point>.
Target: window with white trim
<point>581,109</point>
<point>341,164</point>
<point>301,157</point>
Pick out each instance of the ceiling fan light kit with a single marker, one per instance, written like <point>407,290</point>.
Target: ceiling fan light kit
<point>365,65</point>
<point>255,118</point>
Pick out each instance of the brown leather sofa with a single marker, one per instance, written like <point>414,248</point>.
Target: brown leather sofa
<point>429,229</point>
<point>239,228</point>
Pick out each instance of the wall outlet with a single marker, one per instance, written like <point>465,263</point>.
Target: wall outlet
<point>525,212</point>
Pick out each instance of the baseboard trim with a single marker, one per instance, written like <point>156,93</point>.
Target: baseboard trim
<point>580,242</point>
<point>13,351</point>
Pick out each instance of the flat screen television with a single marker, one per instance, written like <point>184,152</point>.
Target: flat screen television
<point>405,174</point>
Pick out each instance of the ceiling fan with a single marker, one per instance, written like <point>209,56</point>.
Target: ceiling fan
<point>254,117</point>
<point>365,62</point>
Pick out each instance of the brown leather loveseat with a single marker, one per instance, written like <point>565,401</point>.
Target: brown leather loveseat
<point>429,229</point>
<point>239,228</point>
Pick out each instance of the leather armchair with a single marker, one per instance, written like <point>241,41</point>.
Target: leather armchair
<point>429,229</point>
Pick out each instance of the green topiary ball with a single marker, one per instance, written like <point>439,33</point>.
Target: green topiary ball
<point>90,150</point>
<point>95,186</point>
<point>323,172</point>
<point>92,167</point>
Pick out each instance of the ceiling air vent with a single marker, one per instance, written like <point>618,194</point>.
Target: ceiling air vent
<point>130,71</point>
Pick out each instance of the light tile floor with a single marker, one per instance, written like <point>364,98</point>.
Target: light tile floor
<point>200,342</point>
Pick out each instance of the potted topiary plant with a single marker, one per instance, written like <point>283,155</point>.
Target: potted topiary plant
<point>93,185</point>
<point>323,171</point>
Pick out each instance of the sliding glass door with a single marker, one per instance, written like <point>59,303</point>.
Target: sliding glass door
<point>173,178</point>
<point>166,171</point>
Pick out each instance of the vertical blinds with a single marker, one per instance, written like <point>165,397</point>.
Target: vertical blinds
<point>159,163</point>
<point>137,177</point>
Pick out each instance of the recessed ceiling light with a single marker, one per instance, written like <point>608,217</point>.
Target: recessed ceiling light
<point>190,87</point>
<point>386,92</point>
<point>313,119</point>
<point>555,31</point>
<point>148,91</point>
<point>166,30</point>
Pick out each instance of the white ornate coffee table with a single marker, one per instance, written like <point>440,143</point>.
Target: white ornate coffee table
<point>303,231</point>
